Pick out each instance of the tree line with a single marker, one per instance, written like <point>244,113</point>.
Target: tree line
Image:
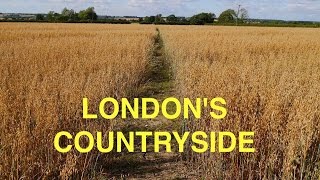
<point>66,14</point>
<point>227,16</point>
<point>89,15</point>
<point>70,15</point>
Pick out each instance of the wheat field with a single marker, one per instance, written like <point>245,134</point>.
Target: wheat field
<point>45,71</point>
<point>270,78</point>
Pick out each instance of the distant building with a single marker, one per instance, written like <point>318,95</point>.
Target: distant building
<point>28,16</point>
<point>1,17</point>
<point>126,18</point>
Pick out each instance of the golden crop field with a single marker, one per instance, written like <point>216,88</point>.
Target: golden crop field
<point>270,78</point>
<point>45,71</point>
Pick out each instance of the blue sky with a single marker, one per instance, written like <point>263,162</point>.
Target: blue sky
<point>267,9</point>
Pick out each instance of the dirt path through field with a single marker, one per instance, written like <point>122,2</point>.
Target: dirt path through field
<point>153,165</point>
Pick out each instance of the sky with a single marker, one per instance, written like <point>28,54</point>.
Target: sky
<point>307,10</point>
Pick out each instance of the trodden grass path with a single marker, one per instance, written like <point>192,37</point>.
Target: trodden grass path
<point>159,84</point>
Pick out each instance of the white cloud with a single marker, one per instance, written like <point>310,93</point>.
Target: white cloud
<point>270,9</point>
<point>160,6</point>
<point>312,5</point>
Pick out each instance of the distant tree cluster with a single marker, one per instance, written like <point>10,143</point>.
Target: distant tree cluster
<point>70,15</point>
<point>231,16</point>
<point>198,19</point>
<point>202,18</point>
<point>226,17</point>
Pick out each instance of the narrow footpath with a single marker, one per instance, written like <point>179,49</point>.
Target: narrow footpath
<point>159,84</point>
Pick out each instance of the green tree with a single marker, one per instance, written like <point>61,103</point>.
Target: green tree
<point>52,16</point>
<point>83,15</point>
<point>39,17</point>
<point>202,18</point>
<point>149,19</point>
<point>172,18</point>
<point>88,14</point>
<point>158,18</point>
<point>230,16</point>
<point>68,14</point>
<point>91,13</point>
<point>227,16</point>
